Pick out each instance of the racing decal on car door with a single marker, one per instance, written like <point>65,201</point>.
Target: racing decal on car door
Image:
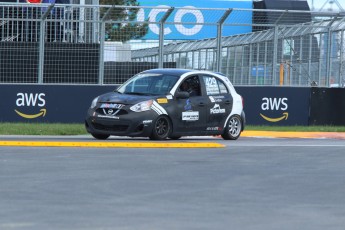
<point>190,116</point>
<point>188,105</point>
<point>162,100</point>
<point>216,109</point>
<point>211,85</point>
<point>214,99</point>
<point>158,108</point>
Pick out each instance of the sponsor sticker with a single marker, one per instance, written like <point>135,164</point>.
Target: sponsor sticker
<point>212,128</point>
<point>188,105</point>
<point>214,99</point>
<point>190,116</point>
<point>216,109</point>
<point>111,106</point>
<point>162,100</point>
<point>107,116</point>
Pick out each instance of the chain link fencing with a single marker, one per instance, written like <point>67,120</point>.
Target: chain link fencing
<point>99,44</point>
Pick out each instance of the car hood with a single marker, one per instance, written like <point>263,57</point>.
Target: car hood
<point>128,99</point>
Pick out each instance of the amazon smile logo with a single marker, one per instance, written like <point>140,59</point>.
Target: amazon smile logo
<point>275,104</point>
<point>31,100</point>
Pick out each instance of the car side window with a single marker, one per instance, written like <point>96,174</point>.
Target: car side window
<point>222,87</point>
<point>191,85</point>
<point>214,86</point>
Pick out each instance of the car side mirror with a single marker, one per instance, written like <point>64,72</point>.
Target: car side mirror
<point>182,95</point>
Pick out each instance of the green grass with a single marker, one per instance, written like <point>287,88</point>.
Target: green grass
<point>41,129</point>
<point>79,129</point>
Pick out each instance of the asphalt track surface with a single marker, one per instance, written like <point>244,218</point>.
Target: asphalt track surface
<point>258,182</point>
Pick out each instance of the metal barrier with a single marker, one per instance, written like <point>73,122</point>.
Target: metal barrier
<point>85,44</point>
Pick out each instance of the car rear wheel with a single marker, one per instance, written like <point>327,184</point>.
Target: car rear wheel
<point>233,128</point>
<point>161,128</point>
<point>100,136</point>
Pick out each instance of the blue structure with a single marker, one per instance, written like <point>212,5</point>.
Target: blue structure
<point>189,30</point>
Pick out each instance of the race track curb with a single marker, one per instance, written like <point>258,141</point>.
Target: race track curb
<point>274,134</point>
<point>111,144</point>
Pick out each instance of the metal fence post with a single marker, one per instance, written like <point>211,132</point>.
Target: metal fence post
<point>101,47</point>
<point>328,56</point>
<point>341,61</point>
<point>41,44</point>
<point>329,51</point>
<point>219,39</point>
<point>275,54</point>
<point>101,53</point>
<point>161,36</point>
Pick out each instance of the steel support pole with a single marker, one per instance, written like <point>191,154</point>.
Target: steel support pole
<point>101,47</point>
<point>101,53</point>
<point>328,57</point>
<point>161,36</point>
<point>341,60</point>
<point>329,50</point>
<point>42,44</point>
<point>275,54</point>
<point>219,39</point>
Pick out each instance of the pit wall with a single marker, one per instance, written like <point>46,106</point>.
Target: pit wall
<point>279,106</point>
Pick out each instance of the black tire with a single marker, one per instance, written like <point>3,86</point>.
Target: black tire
<point>173,137</point>
<point>161,128</point>
<point>233,128</point>
<point>100,136</point>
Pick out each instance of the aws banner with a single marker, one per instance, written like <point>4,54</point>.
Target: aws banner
<point>276,105</point>
<point>69,103</point>
<point>47,103</point>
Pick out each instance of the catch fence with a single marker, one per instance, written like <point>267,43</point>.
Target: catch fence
<point>99,44</point>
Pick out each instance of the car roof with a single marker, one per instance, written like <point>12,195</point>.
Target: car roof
<point>177,72</point>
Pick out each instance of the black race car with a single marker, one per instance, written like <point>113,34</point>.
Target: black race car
<point>169,103</point>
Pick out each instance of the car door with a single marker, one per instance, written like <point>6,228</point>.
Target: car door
<point>219,103</point>
<point>191,111</point>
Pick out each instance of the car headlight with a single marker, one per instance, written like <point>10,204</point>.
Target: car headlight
<point>94,103</point>
<point>142,106</point>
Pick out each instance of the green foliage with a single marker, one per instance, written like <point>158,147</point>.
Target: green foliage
<point>115,29</point>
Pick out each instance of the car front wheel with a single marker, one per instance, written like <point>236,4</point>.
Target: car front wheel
<point>233,128</point>
<point>100,136</point>
<point>161,128</point>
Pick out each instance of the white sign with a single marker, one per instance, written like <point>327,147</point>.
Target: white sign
<point>190,116</point>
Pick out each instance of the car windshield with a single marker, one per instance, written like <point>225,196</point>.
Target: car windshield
<point>149,84</point>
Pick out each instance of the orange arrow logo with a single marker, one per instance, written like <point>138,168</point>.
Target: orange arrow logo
<point>32,116</point>
<point>285,116</point>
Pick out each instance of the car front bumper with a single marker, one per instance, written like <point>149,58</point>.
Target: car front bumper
<point>131,124</point>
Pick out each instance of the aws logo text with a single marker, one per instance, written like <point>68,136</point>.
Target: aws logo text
<point>31,100</point>
<point>274,104</point>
